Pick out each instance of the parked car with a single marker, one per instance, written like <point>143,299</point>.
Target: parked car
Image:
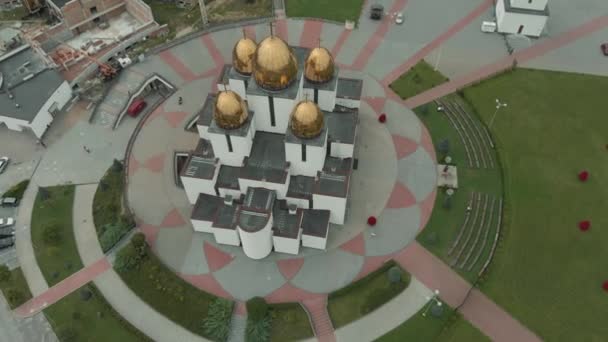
<point>376,12</point>
<point>604,48</point>
<point>3,163</point>
<point>7,231</point>
<point>6,222</point>
<point>136,107</point>
<point>399,18</point>
<point>7,242</point>
<point>9,202</point>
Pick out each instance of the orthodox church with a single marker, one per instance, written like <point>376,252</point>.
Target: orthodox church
<point>273,166</point>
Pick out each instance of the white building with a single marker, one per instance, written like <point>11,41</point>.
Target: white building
<point>526,17</point>
<point>273,167</point>
<point>31,92</point>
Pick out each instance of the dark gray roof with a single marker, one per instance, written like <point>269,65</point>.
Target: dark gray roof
<point>266,159</point>
<point>335,177</point>
<point>301,53</point>
<point>319,140</point>
<point>239,132</point>
<point>205,114</point>
<point>349,88</point>
<point>226,216</point>
<point>228,177</point>
<point>235,75</point>
<point>29,80</point>
<point>509,8</point>
<point>256,209</point>
<point>224,75</point>
<point>60,3</point>
<point>204,149</point>
<point>342,127</point>
<point>199,167</point>
<point>300,187</point>
<point>315,222</point>
<point>206,207</point>
<point>285,224</point>
<point>329,85</point>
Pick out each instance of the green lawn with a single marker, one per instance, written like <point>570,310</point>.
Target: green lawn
<point>168,294</point>
<point>107,203</point>
<point>58,259</point>
<point>419,78</point>
<point>176,18</point>
<point>15,290</point>
<point>289,323</point>
<point>450,326</point>
<point>365,295</point>
<point>337,10</point>
<point>75,319</point>
<point>547,273</point>
<point>15,14</point>
<point>17,190</point>
<point>230,10</point>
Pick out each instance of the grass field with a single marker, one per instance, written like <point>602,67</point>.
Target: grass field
<point>337,10</point>
<point>168,294</point>
<point>15,290</point>
<point>419,78</point>
<point>107,205</point>
<point>57,260</point>
<point>289,323</point>
<point>547,273</point>
<point>75,319</point>
<point>365,295</point>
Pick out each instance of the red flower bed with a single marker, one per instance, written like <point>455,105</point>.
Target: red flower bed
<point>372,220</point>
<point>584,225</point>
<point>382,118</point>
<point>583,176</point>
<point>605,286</point>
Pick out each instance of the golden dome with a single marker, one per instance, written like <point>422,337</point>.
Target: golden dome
<point>242,55</point>
<point>319,66</point>
<point>274,65</point>
<point>230,110</point>
<point>306,120</point>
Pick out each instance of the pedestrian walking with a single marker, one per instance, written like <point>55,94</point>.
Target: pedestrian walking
<point>86,149</point>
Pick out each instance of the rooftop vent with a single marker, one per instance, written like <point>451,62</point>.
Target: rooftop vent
<point>292,209</point>
<point>28,77</point>
<point>17,105</point>
<point>228,200</point>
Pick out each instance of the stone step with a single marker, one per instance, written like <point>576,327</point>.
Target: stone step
<point>237,328</point>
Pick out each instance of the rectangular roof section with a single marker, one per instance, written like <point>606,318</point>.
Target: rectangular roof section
<point>315,222</point>
<point>205,114</point>
<point>199,167</point>
<point>228,177</point>
<point>206,207</point>
<point>342,127</point>
<point>300,187</point>
<point>266,159</point>
<point>349,88</point>
<point>285,224</point>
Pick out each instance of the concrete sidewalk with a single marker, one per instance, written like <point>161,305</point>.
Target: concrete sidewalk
<point>23,243</point>
<point>115,291</point>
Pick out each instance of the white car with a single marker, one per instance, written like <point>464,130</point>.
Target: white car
<point>399,18</point>
<point>3,163</point>
<point>6,222</point>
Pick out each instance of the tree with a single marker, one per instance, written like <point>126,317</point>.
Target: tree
<point>258,331</point>
<point>394,275</point>
<point>257,308</point>
<point>444,146</point>
<point>127,259</point>
<point>139,242</point>
<point>112,233</point>
<point>15,297</point>
<point>117,166</point>
<point>51,234</point>
<point>217,322</point>
<point>5,273</point>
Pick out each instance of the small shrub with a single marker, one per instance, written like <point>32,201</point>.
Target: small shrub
<point>127,259</point>
<point>17,190</point>
<point>394,274</point>
<point>5,273</point>
<point>15,297</point>
<point>85,295</point>
<point>447,202</point>
<point>104,186</point>
<point>258,331</point>
<point>44,194</point>
<point>127,221</point>
<point>217,322</point>
<point>51,234</point>
<point>425,109</point>
<point>257,308</point>
<point>112,233</point>
<point>117,166</point>
<point>444,146</point>
<point>139,242</point>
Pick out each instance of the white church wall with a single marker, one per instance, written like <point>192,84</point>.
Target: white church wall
<point>241,146</point>
<point>287,245</point>
<point>315,158</point>
<point>282,111</point>
<point>238,86</point>
<point>203,131</point>
<point>232,192</point>
<point>195,186</point>
<point>257,245</point>
<point>529,4</point>
<point>202,226</point>
<point>335,205</point>
<point>348,103</point>
<point>260,106</point>
<point>298,202</point>
<point>280,188</point>
<point>314,241</point>
<point>508,22</point>
<point>226,236</point>
<point>341,150</point>
<point>327,99</point>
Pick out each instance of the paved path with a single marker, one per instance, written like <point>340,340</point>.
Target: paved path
<point>484,314</point>
<point>23,243</point>
<point>505,63</point>
<point>321,323</point>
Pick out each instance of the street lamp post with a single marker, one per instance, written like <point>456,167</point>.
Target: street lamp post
<point>432,300</point>
<point>498,106</point>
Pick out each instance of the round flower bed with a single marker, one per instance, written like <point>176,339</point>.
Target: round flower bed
<point>372,220</point>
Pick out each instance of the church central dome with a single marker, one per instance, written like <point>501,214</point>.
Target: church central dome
<point>319,66</point>
<point>242,55</point>
<point>230,110</point>
<point>274,65</point>
<point>306,120</point>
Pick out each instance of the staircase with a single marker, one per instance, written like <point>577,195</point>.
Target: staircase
<point>321,323</point>
<point>237,328</point>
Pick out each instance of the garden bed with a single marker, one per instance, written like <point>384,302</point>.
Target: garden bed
<point>14,287</point>
<point>289,323</point>
<point>53,233</point>
<point>366,294</point>
<point>419,78</point>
